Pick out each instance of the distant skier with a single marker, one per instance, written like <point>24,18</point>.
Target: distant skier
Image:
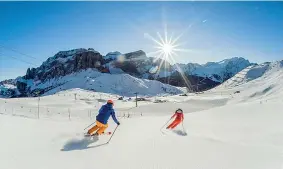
<point>102,118</point>
<point>179,118</point>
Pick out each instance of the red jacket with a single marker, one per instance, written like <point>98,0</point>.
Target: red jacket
<point>179,116</point>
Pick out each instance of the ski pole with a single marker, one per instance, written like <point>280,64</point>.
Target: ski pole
<point>184,128</point>
<point>112,134</point>
<point>165,124</point>
<point>89,125</point>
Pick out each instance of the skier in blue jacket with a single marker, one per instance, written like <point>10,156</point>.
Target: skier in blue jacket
<point>102,118</point>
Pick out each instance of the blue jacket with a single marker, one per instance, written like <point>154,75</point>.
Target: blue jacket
<point>104,114</point>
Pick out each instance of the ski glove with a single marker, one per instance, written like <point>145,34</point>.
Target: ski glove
<point>118,123</point>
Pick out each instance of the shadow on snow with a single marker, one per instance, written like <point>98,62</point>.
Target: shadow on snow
<point>81,144</point>
<point>180,132</point>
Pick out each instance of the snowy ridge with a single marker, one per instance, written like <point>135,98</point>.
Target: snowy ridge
<point>63,56</point>
<point>253,72</point>
<point>112,55</point>
<point>121,84</point>
<point>223,69</point>
<point>256,82</point>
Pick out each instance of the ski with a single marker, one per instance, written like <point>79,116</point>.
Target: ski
<point>105,133</point>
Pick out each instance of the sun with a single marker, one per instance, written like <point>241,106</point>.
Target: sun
<point>167,48</point>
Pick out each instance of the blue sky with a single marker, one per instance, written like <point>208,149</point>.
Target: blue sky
<point>212,31</point>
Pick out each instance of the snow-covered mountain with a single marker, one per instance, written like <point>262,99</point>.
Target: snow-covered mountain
<point>253,72</point>
<point>92,79</point>
<point>263,81</point>
<point>69,63</point>
<point>216,71</point>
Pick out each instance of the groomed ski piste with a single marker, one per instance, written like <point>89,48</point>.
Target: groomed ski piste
<point>237,125</point>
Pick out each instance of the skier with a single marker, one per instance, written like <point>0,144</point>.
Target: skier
<point>102,118</point>
<point>178,119</point>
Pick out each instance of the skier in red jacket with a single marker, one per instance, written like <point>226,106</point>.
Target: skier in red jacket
<point>179,118</point>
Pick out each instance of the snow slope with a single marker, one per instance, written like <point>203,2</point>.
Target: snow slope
<point>121,84</point>
<point>261,82</point>
<point>225,130</point>
<point>226,137</point>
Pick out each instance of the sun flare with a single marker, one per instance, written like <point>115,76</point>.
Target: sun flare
<point>167,49</point>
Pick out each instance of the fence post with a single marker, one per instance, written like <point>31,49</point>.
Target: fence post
<point>38,107</point>
<point>136,99</point>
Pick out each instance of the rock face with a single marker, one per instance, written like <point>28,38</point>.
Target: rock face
<point>87,59</point>
<point>30,73</point>
<point>22,88</point>
<point>198,77</point>
<point>139,65</point>
<point>66,62</point>
<point>131,62</point>
<point>192,82</point>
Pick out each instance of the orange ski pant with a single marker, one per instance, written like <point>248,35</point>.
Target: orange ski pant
<point>175,123</point>
<point>99,127</point>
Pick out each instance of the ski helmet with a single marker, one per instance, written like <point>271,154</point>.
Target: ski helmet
<point>110,102</point>
<point>179,110</point>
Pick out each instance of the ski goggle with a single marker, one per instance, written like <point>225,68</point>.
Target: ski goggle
<point>179,111</point>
